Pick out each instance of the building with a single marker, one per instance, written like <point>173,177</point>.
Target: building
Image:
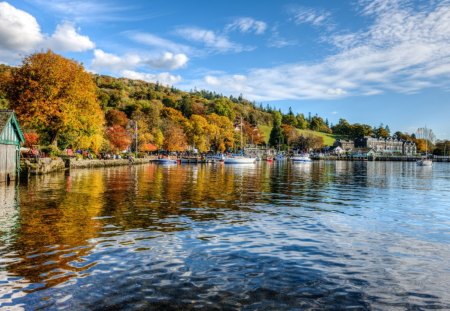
<point>11,137</point>
<point>387,145</point>
<point>346,145</point>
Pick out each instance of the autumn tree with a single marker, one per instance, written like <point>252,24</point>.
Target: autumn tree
<point>56,97</point>
<point>382,131</point>
<point>290,134</point>
<point>221,132</point>
<point>174,137</point>
<point>424,145</point>
<point>199,133</point>
<point>116,117</point>
<point>118,137</point>
<point>31,139</point>
<point>5,76</point>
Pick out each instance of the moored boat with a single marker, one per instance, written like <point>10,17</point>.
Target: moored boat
<point>424,162</point>
<point>166,161</point>
<point>301,158</point>
<point>239,160</point>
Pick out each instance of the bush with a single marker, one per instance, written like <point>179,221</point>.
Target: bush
<point>51,151</point>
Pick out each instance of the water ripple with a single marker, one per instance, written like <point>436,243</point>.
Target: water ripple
<point>327,235</point>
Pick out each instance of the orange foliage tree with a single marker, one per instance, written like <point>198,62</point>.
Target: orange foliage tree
<point>116,117</point>
<point>31,138</point>
<point>118,137</point>
<point>56,97</point>
<point>175,139</point>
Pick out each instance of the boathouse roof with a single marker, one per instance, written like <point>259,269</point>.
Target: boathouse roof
<point>10,132</point>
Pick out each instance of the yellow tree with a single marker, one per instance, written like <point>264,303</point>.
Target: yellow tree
<point>199,133</point>
<point>221,131</point>
<point>56,97</point>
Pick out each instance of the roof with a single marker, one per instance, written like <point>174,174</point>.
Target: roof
<point>8,116</point>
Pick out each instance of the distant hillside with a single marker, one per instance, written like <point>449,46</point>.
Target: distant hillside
<point>172,119</point>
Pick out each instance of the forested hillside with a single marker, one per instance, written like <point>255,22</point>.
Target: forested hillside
<point>60,104</point>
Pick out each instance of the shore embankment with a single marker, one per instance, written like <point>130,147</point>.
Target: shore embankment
<point>378,158</point>
<point>41,166</point>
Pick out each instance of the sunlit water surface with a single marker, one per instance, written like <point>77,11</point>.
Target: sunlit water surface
<point>326,235</point>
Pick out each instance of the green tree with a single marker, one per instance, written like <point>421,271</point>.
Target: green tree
<point>276,135</point>
<point>290,118</point>
<point>342,128</point>
<point>302,123</point>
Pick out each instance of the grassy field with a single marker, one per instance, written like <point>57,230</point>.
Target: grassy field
<point>328,139</point>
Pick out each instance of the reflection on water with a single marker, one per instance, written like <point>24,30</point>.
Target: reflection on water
<point>265,236</point>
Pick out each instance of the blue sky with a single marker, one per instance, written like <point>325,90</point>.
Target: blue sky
<point>368,61</point>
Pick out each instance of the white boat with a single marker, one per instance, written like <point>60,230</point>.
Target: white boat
<point>239,160</point>
<point>301,158</point>
<point>424,162</point>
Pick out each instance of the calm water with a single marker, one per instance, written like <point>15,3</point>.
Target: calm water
<point>326,235</point>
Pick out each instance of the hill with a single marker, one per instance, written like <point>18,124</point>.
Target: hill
<point>166,117</point>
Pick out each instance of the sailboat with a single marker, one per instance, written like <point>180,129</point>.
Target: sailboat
<point>239,159</point>
<point>425,161</point>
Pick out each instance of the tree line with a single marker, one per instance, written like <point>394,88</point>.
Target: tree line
<point>60,104</point>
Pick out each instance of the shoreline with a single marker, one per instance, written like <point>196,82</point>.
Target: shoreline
<point>42,166</point>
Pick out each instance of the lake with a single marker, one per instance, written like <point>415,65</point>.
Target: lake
<point>281,236</point>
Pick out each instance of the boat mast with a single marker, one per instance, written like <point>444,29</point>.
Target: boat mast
<point>242,147</point>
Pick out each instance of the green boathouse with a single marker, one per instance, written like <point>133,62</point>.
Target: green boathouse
<point>11,137</point>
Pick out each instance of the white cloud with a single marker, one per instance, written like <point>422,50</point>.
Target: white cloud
<point>277,41</point>
<point>114,63</point>
<point>303,15</point>
<point>211,80</point>
<point>246,25</point>
<point>87,11</point>
<point>158,42</point>
<point>336,92</point>
<point>405,50</point>
<point>210,39</point>
<point>164,78</point>
<point>19,31</point>
<point>65,38</point>
<point>168,61</point>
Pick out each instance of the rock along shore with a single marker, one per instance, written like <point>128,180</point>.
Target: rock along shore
<point>47,165</point>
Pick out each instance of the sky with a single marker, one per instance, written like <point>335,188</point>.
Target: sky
<point>367,61</point>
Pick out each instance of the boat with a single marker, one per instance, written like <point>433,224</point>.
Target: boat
<point>425,161</point>
<point>269,159</point>
<point>280,157</point>
<point>166,161</point>
<point>239,160</point>
<point>301,158</point>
